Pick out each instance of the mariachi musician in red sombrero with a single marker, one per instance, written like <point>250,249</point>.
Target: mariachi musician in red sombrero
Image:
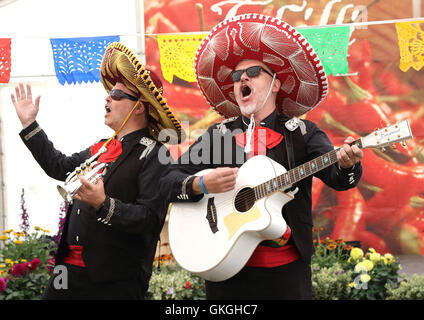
<point>260,74</point>
<point>112,225</point>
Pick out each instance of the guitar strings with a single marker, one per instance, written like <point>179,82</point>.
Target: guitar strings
<point>250,197</point>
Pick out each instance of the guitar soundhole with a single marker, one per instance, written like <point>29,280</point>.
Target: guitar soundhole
<point>245,199</point>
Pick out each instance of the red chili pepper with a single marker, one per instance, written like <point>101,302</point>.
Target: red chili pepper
<point>317,186</point>
<point>398,183</point>
<point>371,240</point>
<point>360,59</point>
<point>382,173</point>
<point>184,99</point>
<point>350,221</point>
<point>410,234</point>
<point>390,81</point>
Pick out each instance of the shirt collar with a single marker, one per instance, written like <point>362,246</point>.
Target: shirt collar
<point>267,122</point>
<point>135,135</point>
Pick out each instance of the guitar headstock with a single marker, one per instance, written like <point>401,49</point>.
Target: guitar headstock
<point>389,135</point>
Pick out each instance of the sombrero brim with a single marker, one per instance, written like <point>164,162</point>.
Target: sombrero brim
<point>119,64</point>
<point>277,44</point>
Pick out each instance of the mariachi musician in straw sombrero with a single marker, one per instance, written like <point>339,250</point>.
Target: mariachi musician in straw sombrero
<point>113,224</point>
<point>260,74</point>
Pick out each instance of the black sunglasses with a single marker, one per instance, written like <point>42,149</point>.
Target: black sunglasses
<point>117,95</point>
<point>251,72</point>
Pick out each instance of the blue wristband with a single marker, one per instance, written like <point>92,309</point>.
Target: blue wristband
<point>203,186</point>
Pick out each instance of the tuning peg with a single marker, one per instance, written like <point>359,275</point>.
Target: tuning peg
<point>393,146</point>
<point>383,149</point>
<point>404,143</point>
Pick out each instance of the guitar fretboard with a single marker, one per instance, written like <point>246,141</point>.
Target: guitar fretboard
<point>301,172</point>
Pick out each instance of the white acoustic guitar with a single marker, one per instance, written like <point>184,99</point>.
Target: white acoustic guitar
<point>215,237</point>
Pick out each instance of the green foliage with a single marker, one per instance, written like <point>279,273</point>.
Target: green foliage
<point>343,272</point>
<point>372,275</point>
<point>23,264</point>
<point>175,283</point>
<point>408,289</point>
<point>330,283</point>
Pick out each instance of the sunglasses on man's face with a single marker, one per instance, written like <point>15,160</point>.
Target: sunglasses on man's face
<point>251,72</point>
<point>117,95</point>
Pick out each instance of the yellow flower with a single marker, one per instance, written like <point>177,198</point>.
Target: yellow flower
<point>37,228</point>
<point>8,261</point>
<point>7,231</point>
<point>372,250</point>
<point>360,267</point>
<point>388,258</point>
<point>18,234</point>
<point>375,257</point>
<point>352,284</point>
<point>365,265</point>
<point>2,266</point>
<point>356,253</point>
<point>368,265</point>
<point>3,237</point>
<point>18,242</point>
<point>365,278</point>
<point>23,260</point>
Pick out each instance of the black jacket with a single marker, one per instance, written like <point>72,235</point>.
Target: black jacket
<point>119,240</point>
<point>217,148</point>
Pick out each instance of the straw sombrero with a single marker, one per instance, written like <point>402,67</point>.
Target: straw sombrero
<point>275,43</point>
<point>119,64</point>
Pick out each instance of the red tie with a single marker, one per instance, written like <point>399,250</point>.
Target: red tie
<point>262,138</point>
<point>114,149</point>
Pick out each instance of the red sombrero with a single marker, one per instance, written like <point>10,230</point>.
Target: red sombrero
<point>275,43</point>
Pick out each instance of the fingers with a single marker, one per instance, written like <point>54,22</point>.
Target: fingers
<point>22,92</point>
<point>29,94</point>
<point>348,155</point>
<point>220,180</point>
<point>18,94</point>
<point>37,102</point>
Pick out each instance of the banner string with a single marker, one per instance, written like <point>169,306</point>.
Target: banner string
<point>138,34</point>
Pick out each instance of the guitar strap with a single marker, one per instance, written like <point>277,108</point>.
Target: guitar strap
<point>295,145</point>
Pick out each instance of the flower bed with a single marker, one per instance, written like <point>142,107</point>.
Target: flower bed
<point>24,261</point>
<point>339,270</point>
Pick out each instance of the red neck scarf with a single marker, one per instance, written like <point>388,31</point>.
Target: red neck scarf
<point>114,149</point>
<point>262,138</point>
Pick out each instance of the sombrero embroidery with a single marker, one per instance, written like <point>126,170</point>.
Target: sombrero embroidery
<point>277,44</point>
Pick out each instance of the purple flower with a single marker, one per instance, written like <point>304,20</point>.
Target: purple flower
<point>62,215</point>
<point>24,215</point>
<point>170,291</point>
<point>3,284</point>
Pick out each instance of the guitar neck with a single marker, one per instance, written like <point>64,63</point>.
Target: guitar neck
<point>299,173</point>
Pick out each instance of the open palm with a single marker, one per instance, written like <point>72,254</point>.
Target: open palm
<point>26,109</point>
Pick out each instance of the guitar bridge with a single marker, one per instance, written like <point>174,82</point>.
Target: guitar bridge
<point>211,215</point>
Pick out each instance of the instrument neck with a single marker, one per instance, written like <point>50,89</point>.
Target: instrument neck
<point>287,179</point>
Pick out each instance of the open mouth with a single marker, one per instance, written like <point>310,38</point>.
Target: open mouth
<point>107,109</point>
<point>245,91</point>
